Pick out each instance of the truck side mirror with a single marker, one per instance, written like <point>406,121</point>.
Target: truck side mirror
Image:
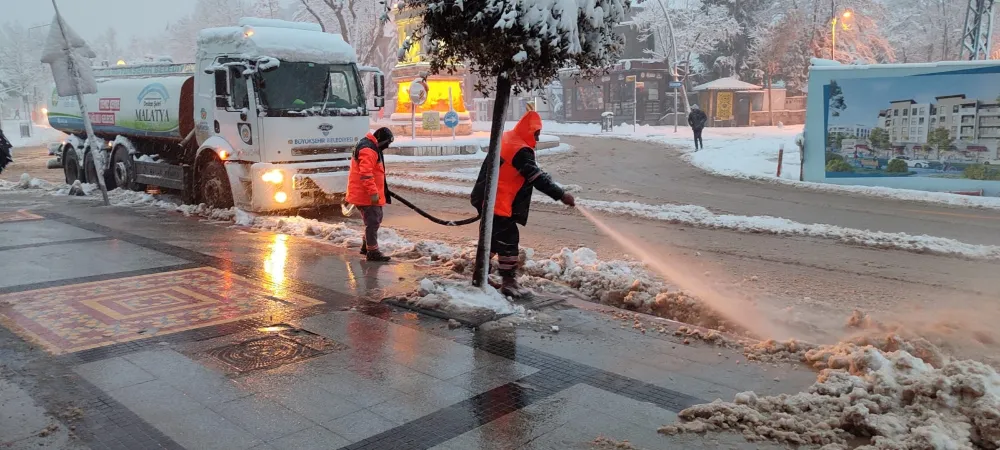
<point>379,86</point>
<point>221,89</point>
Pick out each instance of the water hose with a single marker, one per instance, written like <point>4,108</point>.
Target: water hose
<point>447,223</point>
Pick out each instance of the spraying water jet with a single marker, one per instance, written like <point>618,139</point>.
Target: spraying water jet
<point>737,311</point>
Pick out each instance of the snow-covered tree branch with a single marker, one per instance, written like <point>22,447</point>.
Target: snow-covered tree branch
<point>698,27</point>
<point>22,73</point>
<point>358,21</point>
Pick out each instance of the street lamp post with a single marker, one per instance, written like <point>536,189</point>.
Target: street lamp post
<point>833,32</point>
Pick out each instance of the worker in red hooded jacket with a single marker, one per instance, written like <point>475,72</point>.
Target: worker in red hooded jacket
<point>367,189</point>
<point>519,175</point>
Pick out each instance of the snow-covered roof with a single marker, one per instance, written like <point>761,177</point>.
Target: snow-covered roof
<point>727,84</point>
<point>275,23</point>
<point>286,44</point>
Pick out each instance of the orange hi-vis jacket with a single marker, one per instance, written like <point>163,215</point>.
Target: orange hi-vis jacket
<point>519,173</point>
<point>367,176</point>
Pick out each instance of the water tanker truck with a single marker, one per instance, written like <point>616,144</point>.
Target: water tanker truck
<point>266,120</point>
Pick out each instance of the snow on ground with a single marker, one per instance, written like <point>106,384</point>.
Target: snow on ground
<point>446,295</point>
<point>700,216</point>
<point>477,138</point>
<point>752,153</point>
<point>41,134</point>
<point>26,182</point>
<point>478,156</point>
<point>889,397</point>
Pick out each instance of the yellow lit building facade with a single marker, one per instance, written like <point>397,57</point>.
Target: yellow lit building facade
<point>414,65</point>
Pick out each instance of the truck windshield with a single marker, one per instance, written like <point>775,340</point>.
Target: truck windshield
<point>303,88</point>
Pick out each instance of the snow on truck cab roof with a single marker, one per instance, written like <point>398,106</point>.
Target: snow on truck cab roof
<point>286,41</point>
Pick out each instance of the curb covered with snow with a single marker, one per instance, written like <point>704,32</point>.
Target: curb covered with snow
<point>700,216</point>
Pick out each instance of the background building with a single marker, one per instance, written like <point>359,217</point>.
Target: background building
<point>854,131</point>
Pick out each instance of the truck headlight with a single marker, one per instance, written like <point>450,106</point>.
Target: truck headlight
<point>273,176</point>
<point>280,197</point>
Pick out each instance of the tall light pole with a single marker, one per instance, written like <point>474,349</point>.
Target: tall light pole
<point>673,51</point>
<point>833,32</point>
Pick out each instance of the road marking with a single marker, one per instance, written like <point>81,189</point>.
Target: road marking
<point>968,216</point>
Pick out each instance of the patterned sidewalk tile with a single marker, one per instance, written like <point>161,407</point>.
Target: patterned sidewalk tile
<point>73,318</point>
<point>18,216</point>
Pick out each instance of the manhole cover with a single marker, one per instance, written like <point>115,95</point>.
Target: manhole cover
<point>264,353</point>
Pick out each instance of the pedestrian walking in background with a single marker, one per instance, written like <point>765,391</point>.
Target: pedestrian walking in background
<point>697,120</point>
<point>519,175</point>
<point>367,188</point>
<point>6,157</point>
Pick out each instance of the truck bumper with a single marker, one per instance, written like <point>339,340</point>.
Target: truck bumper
<point>304,185</point>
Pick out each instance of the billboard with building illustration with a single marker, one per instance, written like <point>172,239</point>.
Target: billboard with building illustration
<point>943,125</point>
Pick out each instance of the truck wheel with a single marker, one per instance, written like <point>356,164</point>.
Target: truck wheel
<point>71,165</point>
<point>213,188</point>
<point>91,171</point>
<point>123,167</point>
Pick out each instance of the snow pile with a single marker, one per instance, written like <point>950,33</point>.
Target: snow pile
<point>700,216</point>
<point>622,284</point>
<point>894,399</point>
<point>460,296</point>
<point>26,182</point>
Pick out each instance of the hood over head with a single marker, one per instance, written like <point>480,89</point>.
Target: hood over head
<point>526,128</point>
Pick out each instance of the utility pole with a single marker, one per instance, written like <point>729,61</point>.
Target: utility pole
<point>673,51</point>
<point>978,34</point>
<point>833,31</point>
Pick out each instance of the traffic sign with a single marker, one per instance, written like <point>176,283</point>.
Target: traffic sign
<point>676,84</point>
<point>418,92</point>
<point>451,119</point>
<point>630,79</point>
<point>432,120</point>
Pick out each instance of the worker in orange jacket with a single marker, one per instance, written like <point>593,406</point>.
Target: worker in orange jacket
<point>367,189</point>
<point>519,175</point>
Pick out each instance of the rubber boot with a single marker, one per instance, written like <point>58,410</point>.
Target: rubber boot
<point>377,256</point>
<point>511,288</point>
<point>364,247</point>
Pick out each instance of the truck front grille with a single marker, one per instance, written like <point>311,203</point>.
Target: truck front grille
<point>324,169</point>
<point>313,151</point>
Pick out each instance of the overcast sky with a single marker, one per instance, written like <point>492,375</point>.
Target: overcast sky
<point>91,17</point>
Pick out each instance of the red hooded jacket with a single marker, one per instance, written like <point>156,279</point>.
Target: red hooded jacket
<point>519,173</point>
<point>367,175</point>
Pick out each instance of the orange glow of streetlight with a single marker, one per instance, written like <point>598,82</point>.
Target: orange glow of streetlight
<point>847,14</point>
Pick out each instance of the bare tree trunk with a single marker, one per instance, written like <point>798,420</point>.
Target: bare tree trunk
<point>315,16</point>
<point>770,101</point>
<point>480,275</point>
<point>341,21</point>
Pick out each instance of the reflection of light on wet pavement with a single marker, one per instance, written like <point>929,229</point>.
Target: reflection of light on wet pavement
<point>274,265</point>
<point>352,279</point>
